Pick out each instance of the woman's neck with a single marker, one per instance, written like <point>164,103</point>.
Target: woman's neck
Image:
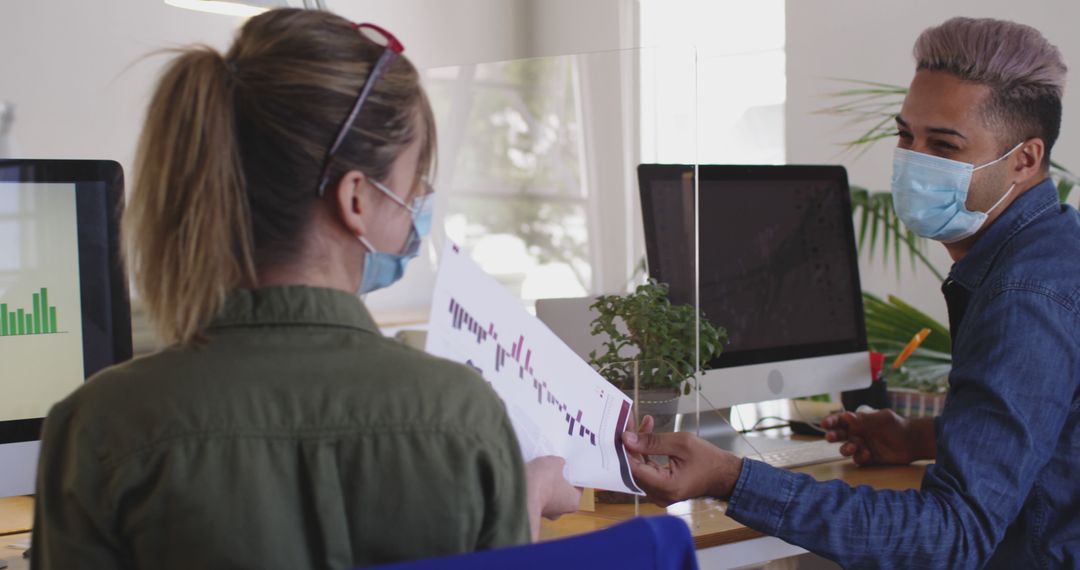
<point>328,269</point>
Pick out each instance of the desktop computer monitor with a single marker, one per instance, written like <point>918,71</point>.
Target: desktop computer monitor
<point>64,311</point>
<point>777,267</point>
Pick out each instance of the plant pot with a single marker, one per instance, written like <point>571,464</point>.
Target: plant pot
<point>660,403</point>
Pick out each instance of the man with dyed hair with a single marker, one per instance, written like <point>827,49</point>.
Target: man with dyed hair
<point>971,170</point>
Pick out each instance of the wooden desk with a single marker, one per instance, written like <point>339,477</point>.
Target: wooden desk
<point>708,523</point>
<point>16,518</point>
<point>706,518</point>
<point>16,515</point>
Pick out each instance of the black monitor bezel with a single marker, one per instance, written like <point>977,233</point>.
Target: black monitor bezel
<point>91,203</point>
<point>648,173</point>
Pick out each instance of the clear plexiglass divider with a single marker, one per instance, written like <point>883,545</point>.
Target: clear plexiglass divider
<point>537,180</point>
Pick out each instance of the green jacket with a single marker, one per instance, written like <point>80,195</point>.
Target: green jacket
<point>295,437</point>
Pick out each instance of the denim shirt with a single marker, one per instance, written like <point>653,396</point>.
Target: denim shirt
<point>1005,489</point>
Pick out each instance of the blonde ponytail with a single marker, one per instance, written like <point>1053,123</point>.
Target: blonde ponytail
<point>188,223</point>
<point>232,149</point>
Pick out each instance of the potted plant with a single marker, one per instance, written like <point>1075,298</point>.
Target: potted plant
<point>650,349</point>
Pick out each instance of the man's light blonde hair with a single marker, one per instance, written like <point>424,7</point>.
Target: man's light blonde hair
<point>1024,71</point>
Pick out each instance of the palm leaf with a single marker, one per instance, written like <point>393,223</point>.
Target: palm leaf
<point>889,328</point>
<point>894,321</point>
<point>878,220</point>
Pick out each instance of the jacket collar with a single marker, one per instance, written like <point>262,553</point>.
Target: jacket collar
<point>294,305</point>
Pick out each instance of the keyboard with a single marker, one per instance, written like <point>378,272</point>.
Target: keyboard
<point>804,453</point>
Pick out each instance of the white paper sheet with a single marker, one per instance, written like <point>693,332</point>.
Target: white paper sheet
<point>558,404</point>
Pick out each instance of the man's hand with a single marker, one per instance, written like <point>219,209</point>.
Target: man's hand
<point>694,468</point>
<point>881,437</point>
<point>548,493</point>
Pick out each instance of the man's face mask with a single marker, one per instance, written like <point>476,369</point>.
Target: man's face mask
<point>930,192</point>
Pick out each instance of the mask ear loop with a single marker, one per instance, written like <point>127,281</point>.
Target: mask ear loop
<point>1002,199</point>
<point>364,242</point>
<point>390,194</point>
<point>1000,158</point>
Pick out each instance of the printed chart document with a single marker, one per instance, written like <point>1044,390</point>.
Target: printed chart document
<point>558,404</point>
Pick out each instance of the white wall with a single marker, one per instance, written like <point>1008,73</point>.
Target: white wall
<point>872,41</point>
<point>75,71</point>
<point>72,70</point>
<point>77,75</point>
<point>438,33</point>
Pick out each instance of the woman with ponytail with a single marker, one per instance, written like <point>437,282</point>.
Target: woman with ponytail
<point>279,429</point>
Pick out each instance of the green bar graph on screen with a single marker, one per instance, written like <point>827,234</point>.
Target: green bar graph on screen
<point>37,313</point>
<point>45,311</point>
<point>39,319</point>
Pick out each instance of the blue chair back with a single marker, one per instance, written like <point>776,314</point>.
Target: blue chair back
<point>646,543</point>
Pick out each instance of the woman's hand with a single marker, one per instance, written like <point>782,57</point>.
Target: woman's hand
<point>548,493</point>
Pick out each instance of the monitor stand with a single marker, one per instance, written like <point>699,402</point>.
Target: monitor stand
<point>716,429</point>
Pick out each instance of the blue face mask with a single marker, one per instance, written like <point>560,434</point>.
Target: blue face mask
<point>929,193</point>
<point>384,269</point>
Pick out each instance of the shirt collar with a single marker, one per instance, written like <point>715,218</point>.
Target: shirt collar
<point>294,305</point>
<point>972,269</point>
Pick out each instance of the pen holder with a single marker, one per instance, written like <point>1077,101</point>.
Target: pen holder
<point>876,395</point>
<point>915,404</point>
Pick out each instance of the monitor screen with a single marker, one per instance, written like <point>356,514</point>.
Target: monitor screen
<point>778,264</point>
<point>63,300</point>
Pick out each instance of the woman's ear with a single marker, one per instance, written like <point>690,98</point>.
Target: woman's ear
<point>350,205</point>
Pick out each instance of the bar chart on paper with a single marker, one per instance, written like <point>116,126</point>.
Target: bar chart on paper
<point>39,318</point>
<point>557,404</point>
<point>463,321</point>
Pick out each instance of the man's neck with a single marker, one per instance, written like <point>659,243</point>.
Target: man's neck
<point>958,250</point>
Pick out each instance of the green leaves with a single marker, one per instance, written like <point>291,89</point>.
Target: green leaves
<point>870,106</point>
<point>878,223</point>
<point>890,326</point>
<point>1066,180</point>
<point>895,322</point>
<point>643,327</point>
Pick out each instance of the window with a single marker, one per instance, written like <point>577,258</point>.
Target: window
<point>741,82</point>
<point>512,162</point>
<point>537,159</point>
